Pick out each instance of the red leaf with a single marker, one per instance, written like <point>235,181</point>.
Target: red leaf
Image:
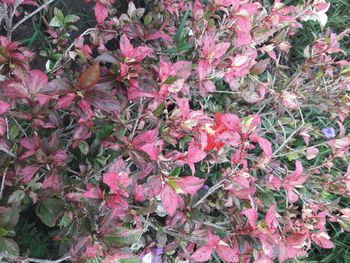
<point>169,199</point>
<point>36,81</point>
<point>117,181</point>
<point>65,101</point>
<point>148,143</point>
<point>14,90</point>
<point>90,77</point>
<point>203,254</point>
<point>28,172</point>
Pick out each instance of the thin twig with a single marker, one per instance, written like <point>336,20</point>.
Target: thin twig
<point>210,191</point>
<point>3,182</point>
<point>34,260</point>
<point>19,126</point>
<point>137,120</point>
<point>7,151</point>
<point>48,261</point>
<point>30,15</point>
<point>291,135</point>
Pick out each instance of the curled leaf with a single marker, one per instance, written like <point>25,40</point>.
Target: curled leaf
<point>90,77</point>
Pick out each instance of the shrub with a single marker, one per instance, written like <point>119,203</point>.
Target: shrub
<point>174,131</point>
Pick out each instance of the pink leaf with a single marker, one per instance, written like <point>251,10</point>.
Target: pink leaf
<point>189,184</point>
<point>230,138</point>
<point>4,106</point>
<point>226,253</point>
<point>296,178</point>
<point>28,172</point>
<point>125,46</point>
<point>3,126</point>
<point>292,197</point>
<point>311,153</point>
<point>139,53</point>
<point>231,121</point>
<point>271,218</point>
<point>296,239</point>
<point>43,99</point>
<point>101,12</point>
<point>169,199</point>
<point>322,239</point>
<point>340,143</point>
<point>252,216</point>
<point>265,146</point>
<point>93,192</point>
<point>203,69</point>
<point>220,49</point>
<point>146,137</point>
<point>203,254</point>
<point>195,154</point>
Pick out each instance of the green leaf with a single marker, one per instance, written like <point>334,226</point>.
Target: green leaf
<point>55,22</point>
<point>16,196</point>
<point>49,210</point>
<point>148,19</point>
<point>130,260</point>
<point>105,131</point>
<point>123,237</point>
<point>84,147</point>
<point>3,232</point>
<point>159,110</point>
<point>170,80</point>
<point>71,19</point>
<point>266,197</point>
<point>58,13</point>
<point>8,217</point>
<point>9,246</point>
<point>176,172</point>
<point>181,26</point>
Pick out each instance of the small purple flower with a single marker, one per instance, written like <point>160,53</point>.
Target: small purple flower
<point>205,187</point>
<point>328,132</point>
<point>158,255</point>
<point>158,251</point>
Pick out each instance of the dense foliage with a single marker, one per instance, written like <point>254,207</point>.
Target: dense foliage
<point>180,131</point>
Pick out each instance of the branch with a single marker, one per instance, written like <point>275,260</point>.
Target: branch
<point>34,260</point>
<point>3,182</point>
